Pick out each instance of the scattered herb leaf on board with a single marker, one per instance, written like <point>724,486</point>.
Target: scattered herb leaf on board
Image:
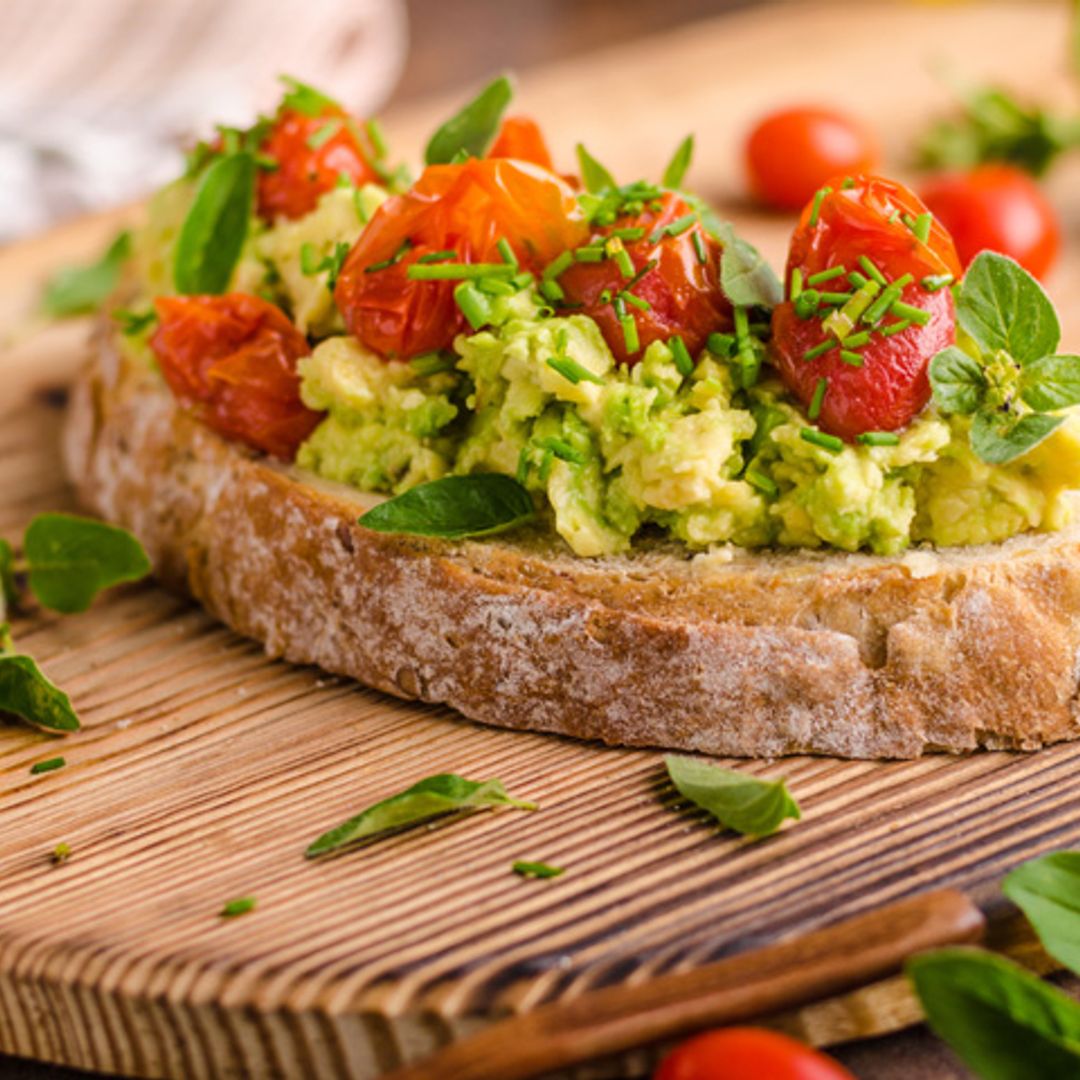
<point>1047,891</point>
<point>537,869</point>
<point>80,289</point>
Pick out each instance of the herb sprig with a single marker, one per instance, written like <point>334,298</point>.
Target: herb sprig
<point>81,289</point>
<point>471,131</point>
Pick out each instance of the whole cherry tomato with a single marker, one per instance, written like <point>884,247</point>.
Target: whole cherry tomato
<point>875,379</point>
<point>232,361</point>
<point>463,209</point>
<point>311,152</point>
<point>520,137</point>
<point>791,153</point>
<point>677,267</point>
<point>747,1054</point>
<point>997,207</point>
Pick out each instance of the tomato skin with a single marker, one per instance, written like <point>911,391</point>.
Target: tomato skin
<point>232,360</point>
<point>684,293</point>
<point>892,386</point>
<point>466,208</point>
<point>304,174</point>
<point>793,152</point>
<point>748,1054</point>
<point>1000,208</point>
<point>520,137</point>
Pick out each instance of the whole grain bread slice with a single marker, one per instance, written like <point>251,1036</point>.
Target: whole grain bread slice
<point>738,653</point>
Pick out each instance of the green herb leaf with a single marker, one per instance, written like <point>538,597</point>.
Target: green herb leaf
<point>1004,1022</point>
<point>430,798</point>
<point>455,507</point>
<point>679,164</point>
<point>80,289</point>
<point>25,692</point>
<point>999,438</point>
<point>1047,891</point>
<point>1051,383</point>
<point>72,559</point>
<point>241,906</point>
<point>48,765</point>
<point>537,869</point>
<point>216,226</point>
<point>1003,307</point>
<point>746,278</point>
<point>744,803</point>
<point>9,593</point>
<point>474,128</point>
<point>593,175</point>
<point>133,323</point>
<point>305,99</point>
<point>957,380</point>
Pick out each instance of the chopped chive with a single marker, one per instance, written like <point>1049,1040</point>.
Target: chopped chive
<point>807,303</point>
<point>680,225</point>
<point>849,356</point>
<point>545,466</point>
<point>522,474</point>
<point>895,328</point>
<point>815,209</point>
<point>933,282</point>
<point>826,275</point>
<point>699,247</point>
<point>519,281</point>
<point>909,311</point>
<point>496,286</point>
<point>872,272</point>
<point>761,482</point>
<point>742,325</point>
<point>558,265</point>
<point>847,184</point>
<point>630,333</point>
<point>563,450</point>
<point>857,279</point>
<point>619,304</point>
<point>622,258</point>
<point>240,906</point>
<point>552,291</point>
<point>507,252</point>
<point>819,350</point>
<point>636,301</point>
<point>432,363</point>
<point>318,139</point>
<point>894,217</point>
<point>842,321</point>
<point>572,371</point>
<point>857,341</point>
<point>921,227</point>
<point>889,295</point>
<point>820,438</point>
<point>474,304</point>
<point>635,233</point>
<point>398,255</point>
<point>681,354</point>
<point>437,256</point>
<point>536,869</point>
<point>650,265</point>
<point>310,260</point>
<point>818,399</point>
<point>589,254</point>
<point>457,271</point>
<point>378,140</point>
<point>61,853</point>
<point>605,296</point>
<point>878,438</point>
<point>49,765</point>
<point>721,344</point>
<point>836,297</point>
<point>562,340</point>
<point>796,287</point>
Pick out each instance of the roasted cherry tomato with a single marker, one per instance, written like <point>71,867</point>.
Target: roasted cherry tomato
<point>311,152</point>
<point>791,153</point>
<point>997,207</point>
<point>520,137</point>
<point>875,378</point>
<point>463,209</point>
<point>678,278</point>
<point>232,360</point>
<point>748,1054</point>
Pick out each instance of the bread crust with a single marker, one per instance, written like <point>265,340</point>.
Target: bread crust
<point>737,653</point>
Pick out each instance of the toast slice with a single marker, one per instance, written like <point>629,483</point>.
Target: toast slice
<point>732,653</point>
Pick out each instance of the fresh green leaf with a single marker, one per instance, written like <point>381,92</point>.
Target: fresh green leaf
<point>430,798</point>
<point>999,438</point>
<point>1003,307</point>
<point>474,128</point>
<point>9,593</point>
<point>72,559</point>
<point>241,906</point>
<point>81,289</point>
<point>1004,1022</point>
<point>958,381</point>
<point>679,164</point>
<point>1051,383</point>
<point>738,801</point>
<point>1047,891</point>
<point>746,278</point>
<point>216,226</point>
<point>305,99</point>
<point>48,765</point>
<point>25,692</point>
<point>537,869</point>
<point>593,175</point>
<point>455,507</point>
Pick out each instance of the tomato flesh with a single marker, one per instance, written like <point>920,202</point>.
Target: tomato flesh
<point>865,217</point>
<point>793,152</point>
<point>748,1054</point>
<point>1000,208</point>
<point>682,289</point>
<point>231,360</point>
<point>464,208</point>
<point>311,155</point>
<point>520,137</point>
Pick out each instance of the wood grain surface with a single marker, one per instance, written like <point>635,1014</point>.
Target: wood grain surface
<point>203,769</point>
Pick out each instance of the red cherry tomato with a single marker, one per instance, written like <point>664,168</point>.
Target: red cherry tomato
<point>681,285</point>
<point>466,209</point>
<point>997,207</point>
<point>311,153</point>
<point>520,137</point>
<point>791,153</point>
<point>866,218</point>
<point>232,360</point>
<point>748,1054</point>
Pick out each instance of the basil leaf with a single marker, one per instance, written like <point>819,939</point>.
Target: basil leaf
<point>1004,1022</point>
<point>25,692</point>
<point>9,594</point>
<point>474,128</point>
<point>72,559</point>
<point>744,803</point>
<point>957,380</point>
<point>1003,307</point>
<point>1051,383</point>
<point>999,439</point>
<point>305,99</point>
<point>593,175</point>
<point>1047,891</point>
<point>680,162</point>
<point>79,289</point>
<point>433,797</point>
<point>455,507</point>
<point>746,278</point>
<point>216,226</point>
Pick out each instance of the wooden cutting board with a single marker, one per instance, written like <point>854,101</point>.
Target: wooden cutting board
<point>204,769</point>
